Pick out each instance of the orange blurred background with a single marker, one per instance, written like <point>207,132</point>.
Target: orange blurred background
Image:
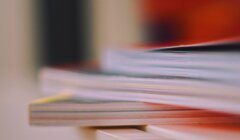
<point>194,21</point>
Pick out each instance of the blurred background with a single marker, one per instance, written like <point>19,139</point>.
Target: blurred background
<point>38,33</point>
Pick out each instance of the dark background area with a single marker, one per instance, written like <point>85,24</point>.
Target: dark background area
<point>65,32</point>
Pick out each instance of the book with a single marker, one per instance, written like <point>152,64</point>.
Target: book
<point>68,102</point>
<point>66,110</point>
<point>210,61</point>
<point>176,91</point>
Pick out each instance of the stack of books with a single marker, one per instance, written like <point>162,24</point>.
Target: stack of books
<point>176,85</point>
